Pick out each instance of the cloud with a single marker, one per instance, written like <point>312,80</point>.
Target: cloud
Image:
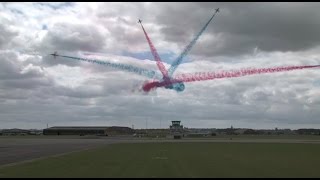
<point>6,36</point>
<point>242,26</point>
<point>74,37</point>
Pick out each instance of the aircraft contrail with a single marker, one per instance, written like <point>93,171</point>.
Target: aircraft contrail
<point>156,56</point>
<point>203,76</point>
<point>150,73</point>
<point>167,75</point>
<point>177,82</point>
<point>187,49</point>
<point>179,86</point>
<point>130,68</point>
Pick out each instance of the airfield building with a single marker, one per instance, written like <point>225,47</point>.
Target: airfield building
<point>88,130</point>
<point>7,132</point>
<point>176,129</point>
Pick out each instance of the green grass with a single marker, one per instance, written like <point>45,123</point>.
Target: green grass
<point>179,160</point>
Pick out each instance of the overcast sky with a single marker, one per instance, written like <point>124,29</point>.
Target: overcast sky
<point>36,89</point>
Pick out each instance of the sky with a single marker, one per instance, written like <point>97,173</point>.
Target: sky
<point>37,90</point>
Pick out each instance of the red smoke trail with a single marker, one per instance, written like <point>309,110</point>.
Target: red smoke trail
<point>203,76</point>
<point>156,56</point>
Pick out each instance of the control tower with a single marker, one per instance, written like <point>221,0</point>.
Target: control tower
<point>176,129</point>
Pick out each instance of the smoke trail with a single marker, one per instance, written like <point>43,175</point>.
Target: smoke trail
<point>187,49</point>
<point>203,76</point>
<point>168,74</point>
<point>156,56</point>
<point>130,68</point>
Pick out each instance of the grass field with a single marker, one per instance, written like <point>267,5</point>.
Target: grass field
<point>179,160</point>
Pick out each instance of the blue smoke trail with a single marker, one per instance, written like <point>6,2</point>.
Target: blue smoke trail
<point>130,68</point>
<point>186,50</point>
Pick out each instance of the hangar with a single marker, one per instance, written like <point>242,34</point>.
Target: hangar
<point>88,130</point>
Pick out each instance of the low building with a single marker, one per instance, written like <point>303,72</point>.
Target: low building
<point>118,130</point>
<point>199,134</point>
<point>308,131</point>
<point>35,132</point>
<point>7,132</point>
<point>88,130</point>
<point>151,132</point>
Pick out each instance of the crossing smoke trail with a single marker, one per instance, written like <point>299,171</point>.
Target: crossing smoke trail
<point>156,56</point>
<point>137,70</point>
<point>179,86</point>
<point>187,49</point>
<point>168,74</point>
<point>202,76</point>
<point>149,73</point>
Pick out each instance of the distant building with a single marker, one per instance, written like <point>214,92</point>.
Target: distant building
<point>35,132</point>
<point>7,132</point>
<point>308,131</point>
<point>88,130</point>
<point>240,131</point>
<point>176,129</point>
<point>198,134</point>
<point>151,132</point>
<point>176,126</point>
